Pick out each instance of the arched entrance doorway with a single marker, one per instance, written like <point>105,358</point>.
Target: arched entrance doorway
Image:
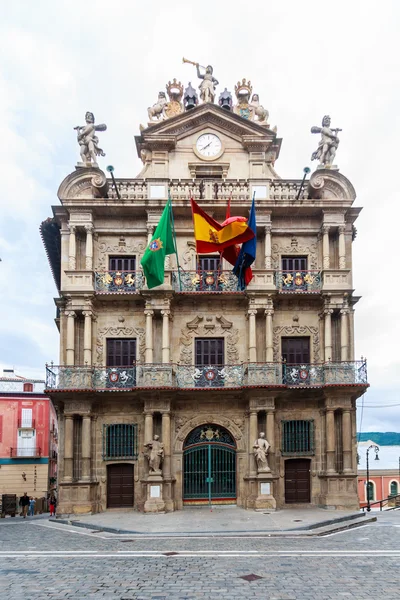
<point>209,466</point>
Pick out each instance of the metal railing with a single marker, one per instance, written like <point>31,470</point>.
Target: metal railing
<point>298,281</point>
<point>29,452</point>
<point>26,423</point>
<point>118,281</point>
<point>178,376</point>
<point>389,503</point>
<point>204,281</point>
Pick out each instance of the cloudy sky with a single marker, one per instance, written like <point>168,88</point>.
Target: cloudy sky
<point>305,59</point>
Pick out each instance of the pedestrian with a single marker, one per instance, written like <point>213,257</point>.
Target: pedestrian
<point>52,505</point>
<point>32,503</point>
<point>24,501</point>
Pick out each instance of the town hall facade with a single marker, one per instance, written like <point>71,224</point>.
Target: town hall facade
<point>196,368</point>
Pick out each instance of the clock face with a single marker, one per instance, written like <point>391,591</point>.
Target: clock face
<point>208,145</point>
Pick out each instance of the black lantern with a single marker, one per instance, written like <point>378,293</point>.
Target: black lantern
<point>225,100</point>
<point>190,99</point>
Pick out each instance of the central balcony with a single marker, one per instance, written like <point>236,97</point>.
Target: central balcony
<point>204,281</point>
<point>303,282</point>
<point>181,377</point>
<point>110,282</point>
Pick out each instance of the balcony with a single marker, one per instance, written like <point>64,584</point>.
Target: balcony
<point>111,282</point>
<point>204,281</point>
<point>181,377</point>
<point>29,452</point>
<point>298,282</point>
<point>26,423</point>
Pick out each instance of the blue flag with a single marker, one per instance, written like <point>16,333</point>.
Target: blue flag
<point>247,254</point>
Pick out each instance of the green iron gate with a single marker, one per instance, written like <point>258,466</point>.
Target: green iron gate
<point>209,466</point>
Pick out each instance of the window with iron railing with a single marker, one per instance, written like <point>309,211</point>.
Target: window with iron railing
<point>120,441</point>
<point>298,437</point>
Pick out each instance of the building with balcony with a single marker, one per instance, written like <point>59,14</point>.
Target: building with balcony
<point>196,361</point>
<point>28,437</point>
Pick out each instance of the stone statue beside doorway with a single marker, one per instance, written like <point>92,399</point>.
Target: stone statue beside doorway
<point>155,454</point>
<point>260,448</point>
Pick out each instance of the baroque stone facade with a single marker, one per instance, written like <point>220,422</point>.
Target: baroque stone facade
<point>195,361</point>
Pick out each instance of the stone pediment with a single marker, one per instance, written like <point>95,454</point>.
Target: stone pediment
<point>165,134</point>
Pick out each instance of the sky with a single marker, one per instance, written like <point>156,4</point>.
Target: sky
<point>305,59</point>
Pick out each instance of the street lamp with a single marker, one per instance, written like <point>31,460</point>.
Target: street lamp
<point>376,449</point>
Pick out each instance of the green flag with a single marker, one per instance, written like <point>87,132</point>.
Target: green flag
<point>161,244</point>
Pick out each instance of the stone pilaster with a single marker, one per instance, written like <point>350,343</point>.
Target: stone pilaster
<point>342,247</point>
<point>344,332</point>
<point>325,246</point>
<point>86,447</point>
<point>89,247</point>
<point>252,335</point>
<point>268,247</point>
<point>165,336</point>
<point>72,248</point>
<point>347,441</point>
<point>330,440</point>
<point>87,337</point>
<point>253,435</point>
<point>68,447</point>
<point>328,333</point>
<point>269,337</point>
<point>149,336</point>
<point>70,345</point>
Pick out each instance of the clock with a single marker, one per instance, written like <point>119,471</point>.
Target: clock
<point>209,146</point>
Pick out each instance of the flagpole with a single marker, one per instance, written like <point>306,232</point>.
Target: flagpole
<point>174,234</point>
<point>195,241</point>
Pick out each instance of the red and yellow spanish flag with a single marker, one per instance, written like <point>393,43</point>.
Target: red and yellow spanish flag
<point>211,236</point>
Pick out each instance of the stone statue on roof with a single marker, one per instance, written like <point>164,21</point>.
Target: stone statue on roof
<point>209,83</point>
<point>88,140</point>
<point>328,143</point>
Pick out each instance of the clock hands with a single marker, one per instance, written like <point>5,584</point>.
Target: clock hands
<point>204,147</point>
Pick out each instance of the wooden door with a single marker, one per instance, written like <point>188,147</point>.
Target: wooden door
<point>297,480</point>
<point>120,486</point>
<point>296,351</point>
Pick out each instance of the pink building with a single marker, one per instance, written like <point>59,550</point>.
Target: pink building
<point>28,437</point>
<point>384,474</point>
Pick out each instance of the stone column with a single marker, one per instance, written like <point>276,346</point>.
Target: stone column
<point>148,427</point>
<point>89,247</point>
<point>347,435</point>
<point>328,334</point>
<point>268,247</point>
<point>72,248</point>
<point>330,440</point>
<point>252,335</point>
<point>165,336</point>
<point>150,231</point>
<point>166,440</point>
<point>149,336</point>
<point>342,247</point>
<point>70,345</point>
<point>68,446</point>
<point>271,429</point>
<point>269,337</point>
<point>325,246</point>
<point>87,337</point>
<point>344,333</point>
<point>253,435</point>
<point>86,447</point>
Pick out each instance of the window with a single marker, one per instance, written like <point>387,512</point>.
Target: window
<point>394,488</point>
<point>298,437</point>
<point>370,491</point>
<point>26,417</point>
<point>122,263</point>
<point>209,263</point>
<point>121,353</point>
<point>1,428</point>
<point>294,263</point>
<point>119,442</point>
<point>296,350</point>
<point>209,351</point>
<point>28,387</point>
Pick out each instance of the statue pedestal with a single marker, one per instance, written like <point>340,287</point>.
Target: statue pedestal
<point>87,165</point>
<point>154,497</point>
<point>330,167</point>
<point>265,487</point>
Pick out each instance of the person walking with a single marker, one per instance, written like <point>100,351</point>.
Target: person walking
<point>24,501</point>
<point>32,503</point>
<point>52,505</point>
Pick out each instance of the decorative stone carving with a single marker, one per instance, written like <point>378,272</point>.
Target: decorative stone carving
<point>155,454</point>
<point>260,113</point>
<point>328,144</point>
<point>208,85</point>
<point>260,448</point>
<point>201,419</point>
<point>114,332</point>
<point>156,112</point>
<point>189,254</point>
<point>327,184</point>
<point>300,330</point>
<point>104,248</point>
<point>196,327</point>
<point>294,248</point>
<point>243,108</point>
<point>175,92</point>
<point>88,141</point>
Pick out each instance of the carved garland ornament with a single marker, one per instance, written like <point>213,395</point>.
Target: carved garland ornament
<point>191,424</point>
<point>223,328</point>
<point>294,248</point>
<point>294,330</point>
<point>104,249</point>
<point>137,332</point>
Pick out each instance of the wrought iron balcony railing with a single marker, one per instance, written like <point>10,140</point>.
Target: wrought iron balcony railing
<point>298,281</point>
<point>118,281</point>
<point>177,376</point>
<point>204,281</point>
<point>26,423</point>
<point>29,452</point>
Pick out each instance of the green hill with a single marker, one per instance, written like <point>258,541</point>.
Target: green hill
<point>389,438</point>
